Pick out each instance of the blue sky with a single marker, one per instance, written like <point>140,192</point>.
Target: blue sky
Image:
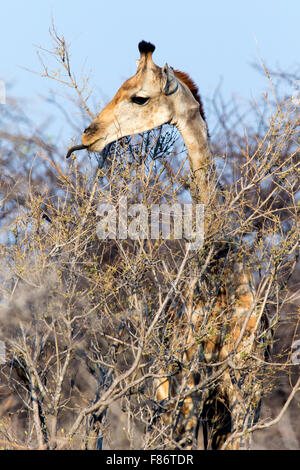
<point>212,40</point>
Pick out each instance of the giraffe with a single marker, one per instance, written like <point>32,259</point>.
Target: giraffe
<point>152,97</point>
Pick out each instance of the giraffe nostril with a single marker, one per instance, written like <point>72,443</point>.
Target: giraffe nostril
<point>92,129</point>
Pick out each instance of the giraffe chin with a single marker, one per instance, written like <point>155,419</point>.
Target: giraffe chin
<point>97,146</point>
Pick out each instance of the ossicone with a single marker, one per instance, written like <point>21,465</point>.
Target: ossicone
<point>146,47</point>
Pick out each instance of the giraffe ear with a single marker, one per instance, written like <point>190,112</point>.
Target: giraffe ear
<point>137,62</point>
<point>170,82</point>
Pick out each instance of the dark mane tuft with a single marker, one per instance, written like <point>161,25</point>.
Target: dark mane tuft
<point>185,78</point>
<point>145,47</point>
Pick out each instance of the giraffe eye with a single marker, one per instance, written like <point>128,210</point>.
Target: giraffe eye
<point>139,100</point>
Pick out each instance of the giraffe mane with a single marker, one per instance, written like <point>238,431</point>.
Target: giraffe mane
<point>186,79</point>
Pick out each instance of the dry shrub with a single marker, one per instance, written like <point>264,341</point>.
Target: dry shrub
<point>89,324</point>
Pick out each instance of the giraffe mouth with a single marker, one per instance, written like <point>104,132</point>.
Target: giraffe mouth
<point>98,145</point>
<point>91,147</point>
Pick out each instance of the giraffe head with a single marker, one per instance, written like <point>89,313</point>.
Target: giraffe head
<point>152,97</point>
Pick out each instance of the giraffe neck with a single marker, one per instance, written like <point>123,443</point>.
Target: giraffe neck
<point>195,136</point>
